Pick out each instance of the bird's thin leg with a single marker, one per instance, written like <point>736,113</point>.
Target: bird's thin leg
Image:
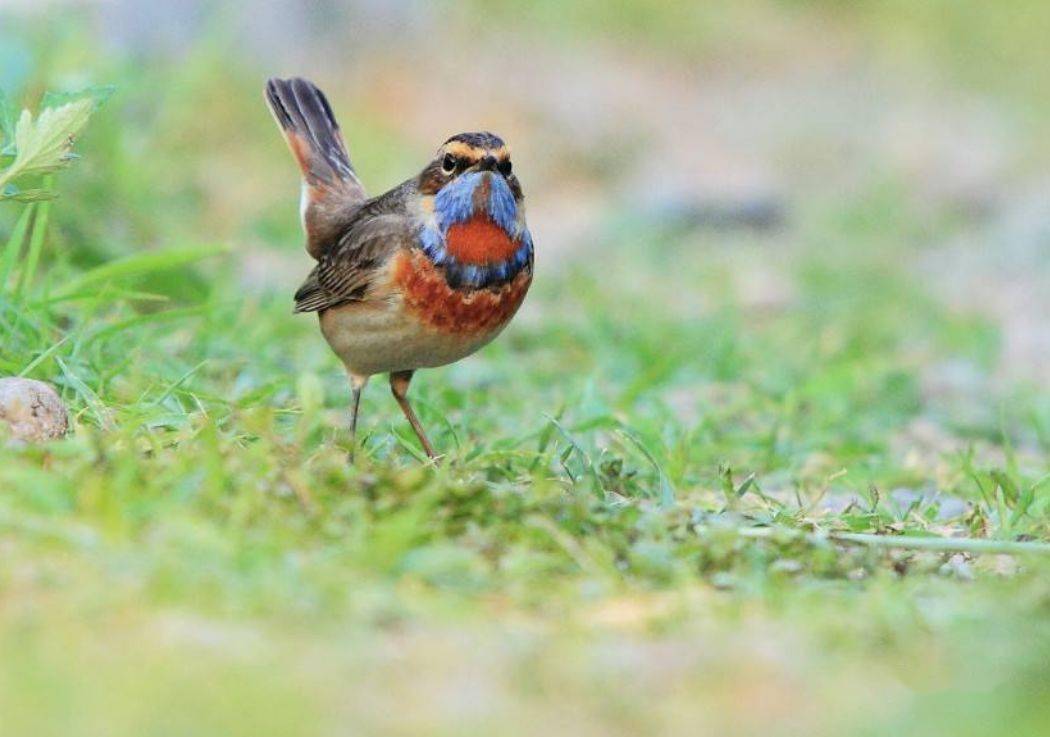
<point>357,384</point>
<point>399,381</point>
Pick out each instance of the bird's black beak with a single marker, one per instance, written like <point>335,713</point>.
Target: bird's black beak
<point>487,164</point>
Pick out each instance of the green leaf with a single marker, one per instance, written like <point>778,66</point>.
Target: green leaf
<point>45,144</point>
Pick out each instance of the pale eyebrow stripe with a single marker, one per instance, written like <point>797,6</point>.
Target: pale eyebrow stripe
<point>465,150</point>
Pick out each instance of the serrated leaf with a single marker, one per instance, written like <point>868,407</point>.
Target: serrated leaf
<point>44,144</point>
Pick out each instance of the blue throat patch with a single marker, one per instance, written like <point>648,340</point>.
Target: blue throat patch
<point>454,204</point>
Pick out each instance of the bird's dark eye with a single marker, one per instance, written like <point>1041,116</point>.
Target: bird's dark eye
<point>448,164</point>
<point>504,167</point>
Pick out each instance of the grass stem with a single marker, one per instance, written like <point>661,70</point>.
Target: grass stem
<point>903,542</point>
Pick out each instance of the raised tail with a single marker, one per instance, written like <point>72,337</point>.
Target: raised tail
<point>331,190</point>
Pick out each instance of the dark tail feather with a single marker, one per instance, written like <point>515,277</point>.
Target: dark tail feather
<point>303,112</point>
<point>331,189</point>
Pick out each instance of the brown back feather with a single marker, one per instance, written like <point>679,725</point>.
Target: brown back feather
<point>348,270</point>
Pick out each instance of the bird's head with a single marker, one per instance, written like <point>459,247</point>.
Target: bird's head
<point>473,213</point>
<point>469,153</point>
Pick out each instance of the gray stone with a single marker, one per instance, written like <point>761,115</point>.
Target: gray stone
<point>31,410</point>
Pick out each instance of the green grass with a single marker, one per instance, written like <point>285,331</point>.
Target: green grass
<point>642,524</point>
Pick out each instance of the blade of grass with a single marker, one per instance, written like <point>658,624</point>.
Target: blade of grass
<point>433,410</point>
<point>667,495</point>
<point>43,356</point>
<point>544,439</point>
<point>1027,498</point>
<point>133,266</point>
<point>179,382</point>
<point>149,319</point>
<point>36,240</point>
<point>409,445</point>
<point>14,244</point>
<point>91,399</point>
<point>904,542</point>
<point>592,472</point>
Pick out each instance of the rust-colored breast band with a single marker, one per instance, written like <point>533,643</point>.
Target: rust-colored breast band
<point>428,296</point>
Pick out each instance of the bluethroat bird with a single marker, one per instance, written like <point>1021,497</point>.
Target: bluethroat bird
<point>418,277</point>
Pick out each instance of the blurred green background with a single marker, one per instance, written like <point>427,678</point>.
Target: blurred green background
<point>793,270</point>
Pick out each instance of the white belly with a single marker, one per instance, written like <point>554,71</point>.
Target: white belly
<point>380,336</point>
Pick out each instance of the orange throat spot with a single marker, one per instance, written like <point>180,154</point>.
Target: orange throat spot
<point>479,241</point>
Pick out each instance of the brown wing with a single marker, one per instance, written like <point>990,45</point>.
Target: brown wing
<point>345,273</point>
